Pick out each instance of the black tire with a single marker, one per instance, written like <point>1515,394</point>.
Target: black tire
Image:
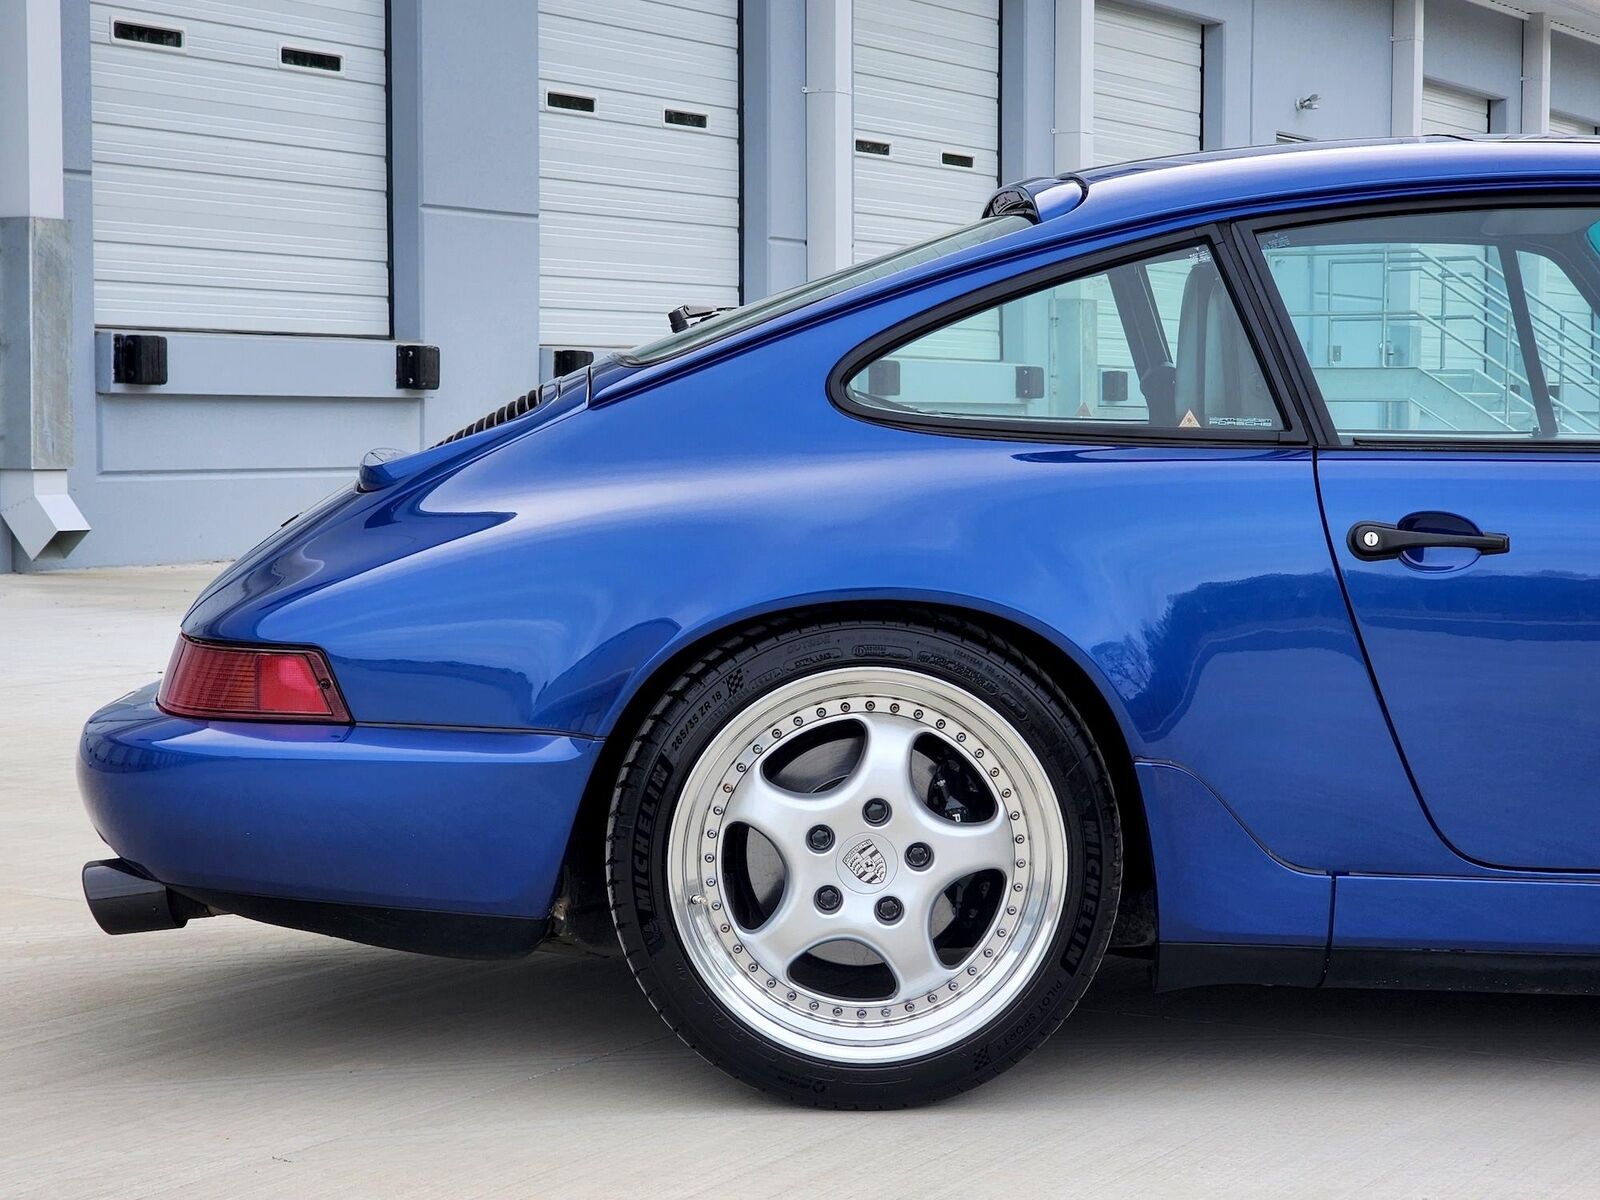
<point>710,693</point>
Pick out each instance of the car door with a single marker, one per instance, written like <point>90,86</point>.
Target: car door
<point>1456,359</point>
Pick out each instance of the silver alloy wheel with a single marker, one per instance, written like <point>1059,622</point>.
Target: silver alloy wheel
<point>938,997</point>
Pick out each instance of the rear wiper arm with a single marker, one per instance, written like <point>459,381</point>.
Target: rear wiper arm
<point>686,315</point>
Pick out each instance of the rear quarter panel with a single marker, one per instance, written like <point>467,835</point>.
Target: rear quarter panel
<point>541,585</point>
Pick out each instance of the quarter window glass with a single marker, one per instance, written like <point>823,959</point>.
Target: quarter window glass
<point>1565,332</point>
<point>1471,325</point>
<point>1150,346</point>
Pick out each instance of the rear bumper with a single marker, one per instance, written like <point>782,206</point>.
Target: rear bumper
<point>439,822</point>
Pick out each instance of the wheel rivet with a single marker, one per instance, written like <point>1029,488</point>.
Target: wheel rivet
<point>820,838</point>
<point>889,910</point>
<point>918,855</point>
<point>875,812</point>
<point>828,898</point>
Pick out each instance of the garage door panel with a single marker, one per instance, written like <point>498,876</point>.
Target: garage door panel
<point>1152,140</point>
<point>1450,110</point>
<point>1148,84</point>
<point>138,203</point>
<point>1565,126</point>
<point>637,216</point>
<point>209,46</point>
<point>237,310</point>
<point>632,23</point>
<point>130,263</point>
<point>222,175</point>
<point>927,83</point>
<point>348,22</point>
<point>133,146</point>
<point>644,205</point>
<point>918,46</point>
<point>955,120</point>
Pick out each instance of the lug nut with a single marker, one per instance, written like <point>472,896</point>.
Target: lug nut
<point>889,910</point>
<point>918,855</point>
<point>828,899</point>
<point>876,812</point>
<point>820,838</point>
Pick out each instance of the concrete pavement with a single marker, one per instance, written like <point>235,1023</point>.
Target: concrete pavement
<point>231,1059</point>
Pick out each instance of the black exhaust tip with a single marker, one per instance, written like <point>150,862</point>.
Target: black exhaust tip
<point>124,901</point>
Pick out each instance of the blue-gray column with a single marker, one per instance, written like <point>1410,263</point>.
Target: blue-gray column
<point>37,512</point>
<point>774,146</point>
<point>1027,88</point>
<point>465,165</point>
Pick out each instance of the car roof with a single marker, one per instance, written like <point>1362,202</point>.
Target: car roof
<point>1289,173</point>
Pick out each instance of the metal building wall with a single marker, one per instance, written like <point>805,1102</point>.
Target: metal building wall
<point>251,428</point>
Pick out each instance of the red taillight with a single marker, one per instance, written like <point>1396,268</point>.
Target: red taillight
<point>247,683</point>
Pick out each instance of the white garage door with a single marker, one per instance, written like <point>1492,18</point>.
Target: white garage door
<point>1147,84</point>
<point>927,118</point>
<point>240,180</point>
<point>1563,126</point>
<point>1450,110</point>
<point>639,165</point>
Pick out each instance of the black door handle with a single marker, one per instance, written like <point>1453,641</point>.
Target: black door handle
<point>1373,540</point>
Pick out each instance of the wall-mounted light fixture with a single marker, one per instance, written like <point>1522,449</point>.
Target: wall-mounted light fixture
<point>1306,103</point>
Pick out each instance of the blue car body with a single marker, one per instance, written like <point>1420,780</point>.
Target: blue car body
<point>1336,769</point>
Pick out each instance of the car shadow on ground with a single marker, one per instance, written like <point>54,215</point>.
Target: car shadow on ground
<point>314,1006</point>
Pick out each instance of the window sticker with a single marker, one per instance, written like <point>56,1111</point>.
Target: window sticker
<point>1244,422</point>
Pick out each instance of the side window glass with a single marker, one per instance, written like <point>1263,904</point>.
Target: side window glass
<point>1437,325</point>
<point>1150,346</point>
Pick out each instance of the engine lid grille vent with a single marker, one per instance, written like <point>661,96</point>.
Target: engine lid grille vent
<point>521,406</point>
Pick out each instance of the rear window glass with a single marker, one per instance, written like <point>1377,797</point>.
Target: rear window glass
<point>736,319</point>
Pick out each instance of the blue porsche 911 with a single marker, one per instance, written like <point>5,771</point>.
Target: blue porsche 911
<point>1196,559</point>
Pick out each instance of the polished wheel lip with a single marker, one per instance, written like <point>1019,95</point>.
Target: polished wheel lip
<point>980,988</point>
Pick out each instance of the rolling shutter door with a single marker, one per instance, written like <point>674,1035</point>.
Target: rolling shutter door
<point>927,118</point>
<point>1450,110</point>
<point>240,173</point>
<point>1147,84</point>
<point>1571,126</point>
<point>639,165</point>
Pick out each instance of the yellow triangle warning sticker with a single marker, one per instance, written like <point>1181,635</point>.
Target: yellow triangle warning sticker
<point>1188,421</point>
<point>1083,410</point>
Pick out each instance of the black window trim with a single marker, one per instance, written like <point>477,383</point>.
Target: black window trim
<point>1211,235</point>
<point>1246,236</point>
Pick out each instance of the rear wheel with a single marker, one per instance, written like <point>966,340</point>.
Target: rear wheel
<point>864,864</point>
